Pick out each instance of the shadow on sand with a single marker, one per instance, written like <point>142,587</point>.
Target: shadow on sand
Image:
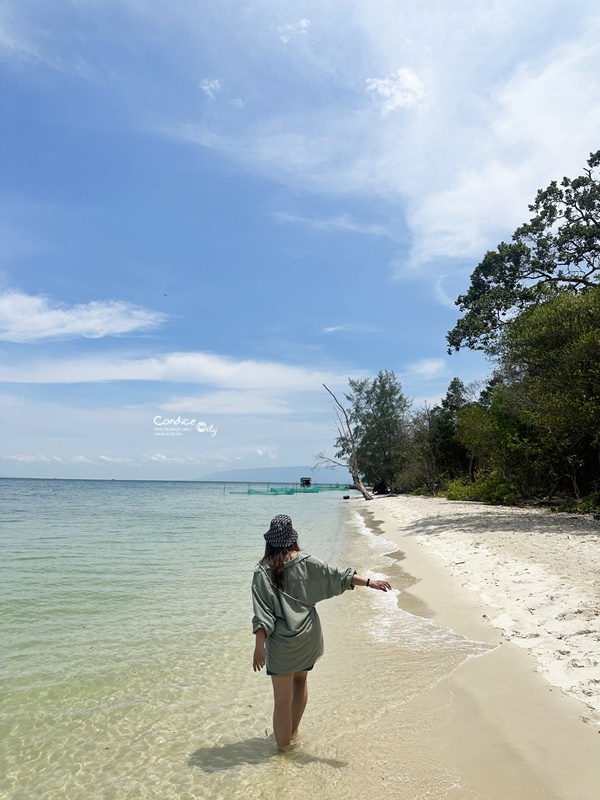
<point>253,751</point>
<point>497,520</point>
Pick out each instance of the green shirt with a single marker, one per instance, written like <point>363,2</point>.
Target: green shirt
<point>294,636</point>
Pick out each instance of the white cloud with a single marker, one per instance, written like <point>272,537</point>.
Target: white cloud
<point>27,458</point>
<point>12,46</point>
<point>530,138</point>
<point>31,318</point>
<point>191,367</point>
<point>503,97</point>
<point>351,327</point>
<point>341,222</point>
<point>161,458</point>
<point>290,29</point>
<point>442,296</point>
<point>81,460</point>
<point>426,369</point>
<point>22,43</point>
<point>238,401</point>
<point>264,451</point>
<point>210,86</point>
<point>493,90</point>
<point>114,460</point>
<point>402,89</point>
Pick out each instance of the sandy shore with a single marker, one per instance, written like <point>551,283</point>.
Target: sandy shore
<point>538,572</point>
<point>527,580</point>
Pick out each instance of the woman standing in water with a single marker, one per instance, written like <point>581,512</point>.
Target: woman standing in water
<point>286,586</point>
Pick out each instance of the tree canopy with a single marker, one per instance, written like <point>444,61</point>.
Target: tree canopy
<point>557,250</point>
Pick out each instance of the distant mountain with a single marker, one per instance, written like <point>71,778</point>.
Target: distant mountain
<point>281,475</point>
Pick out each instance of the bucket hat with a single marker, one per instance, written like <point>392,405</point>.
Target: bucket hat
<point>281,532</point>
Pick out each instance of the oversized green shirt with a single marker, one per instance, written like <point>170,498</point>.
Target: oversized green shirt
<point>294,636</point>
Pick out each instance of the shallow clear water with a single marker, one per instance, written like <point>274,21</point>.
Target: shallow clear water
<point>126,646</point>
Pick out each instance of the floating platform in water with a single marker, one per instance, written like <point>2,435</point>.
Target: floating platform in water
<point>287,490</point>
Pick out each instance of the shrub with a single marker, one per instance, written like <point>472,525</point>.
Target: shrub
<point>489,487</point>
<point>460,489</point>
<point>587,505</point>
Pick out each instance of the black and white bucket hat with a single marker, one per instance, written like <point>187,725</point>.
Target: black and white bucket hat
<point>281,533</point>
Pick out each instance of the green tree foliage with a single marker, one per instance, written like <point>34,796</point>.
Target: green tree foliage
<point>501,443</point>
<point>378,414</point>
<point>552,353</point>
<point>435,456</point>
<point>536,428</point>
<point>557,250</point>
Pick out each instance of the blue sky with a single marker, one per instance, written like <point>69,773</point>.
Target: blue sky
<point>209,209</point>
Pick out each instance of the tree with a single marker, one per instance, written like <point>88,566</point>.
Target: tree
<point>435,455</point>
<point>553,354</point>
<point>557,250</point>
<point>348,452</point>
<point>372,432</point>
<point>379,415</point>
<point>508,456</point>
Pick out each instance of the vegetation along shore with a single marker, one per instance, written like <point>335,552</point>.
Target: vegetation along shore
<point>530,433</point>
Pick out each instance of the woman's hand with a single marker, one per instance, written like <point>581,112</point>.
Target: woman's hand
<point>383,586</point>
<point>260,658</point>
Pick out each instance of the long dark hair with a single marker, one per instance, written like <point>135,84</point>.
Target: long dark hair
<point>275,558</point>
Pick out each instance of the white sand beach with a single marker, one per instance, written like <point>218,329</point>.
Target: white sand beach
<point>523,719</point>
<point>536,572</point>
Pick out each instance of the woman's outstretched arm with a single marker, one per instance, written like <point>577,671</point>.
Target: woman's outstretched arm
<point>372,583</point>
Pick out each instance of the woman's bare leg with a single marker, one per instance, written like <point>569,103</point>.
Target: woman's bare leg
<point>283,693</point>
<point>300,696</point>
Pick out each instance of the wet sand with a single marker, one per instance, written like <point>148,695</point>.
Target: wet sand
<point>520,721</point>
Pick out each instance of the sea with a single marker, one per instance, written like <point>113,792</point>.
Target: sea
<point>126,650</point>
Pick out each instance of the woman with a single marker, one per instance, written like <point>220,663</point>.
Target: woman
<point>286,586</point>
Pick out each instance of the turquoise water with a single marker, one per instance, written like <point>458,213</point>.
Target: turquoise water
<point>126,645</point>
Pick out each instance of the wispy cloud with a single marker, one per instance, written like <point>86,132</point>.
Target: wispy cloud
<point>524,139</point>
<point>442,296</point>
<point>402,89</point>
<point>162,458</point>
<point>264,451</point>
<point>351,327</point>
<point>230,402</point>
<point>30,458</point>
<point>26,458</point>
<point>210,87</point>
<point>22,43</point>
<point>190,367</point>
<point>290,29</point>
<point>33,318</point>
<point>491,117</point>
<point>497,109</point>
<point>341,222</point>
<point>426,369</point>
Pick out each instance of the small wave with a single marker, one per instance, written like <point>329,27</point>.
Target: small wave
<point>391,623</point>
<point>376,541</point>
